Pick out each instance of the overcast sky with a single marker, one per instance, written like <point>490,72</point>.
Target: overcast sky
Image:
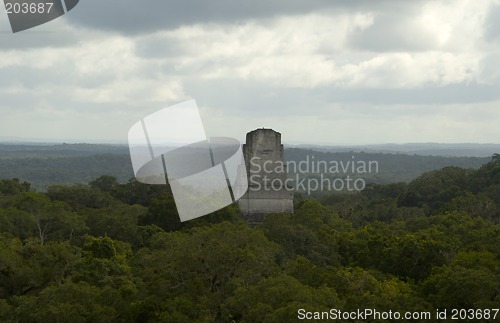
<point>318,71</point>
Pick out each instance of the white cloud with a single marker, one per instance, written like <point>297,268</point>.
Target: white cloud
<point>161,92</point>
<point>305,74</point>
<point>311,50</point>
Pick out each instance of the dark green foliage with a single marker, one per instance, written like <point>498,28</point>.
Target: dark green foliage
<point>13,186</point>
<point>458,287</point>
<point>111,252</point>
<point>105,183</point>
<point>119,222</point>
<point>202,267</point>
<point>81,196</point>
<point>134,192</point>
<point>100,248</point>
<point>163,213</point>
<point>432,191</point>
<point>277,299</point>
<point>310,232</point>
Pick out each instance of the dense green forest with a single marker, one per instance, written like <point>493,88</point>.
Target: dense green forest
<point>45,165</point>
<point>112,252</point>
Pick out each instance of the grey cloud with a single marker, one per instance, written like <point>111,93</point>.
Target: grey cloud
<point>249,98</point>
<point>136,17</point>
<point>30,39</point>
<point>160,48</point>
<point>128,16</point>
<point>30,78</point>
<point>17,75</point>
<point>492,25</point>
<point>460,93</point>
<point>490,73</point>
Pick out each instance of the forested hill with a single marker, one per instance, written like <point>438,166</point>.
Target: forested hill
<point>111,252</point>
<point>423,149</point>
<point>45,165</point>
<point>392,168</point>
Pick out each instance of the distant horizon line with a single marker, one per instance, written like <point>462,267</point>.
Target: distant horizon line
<point>291,143</point>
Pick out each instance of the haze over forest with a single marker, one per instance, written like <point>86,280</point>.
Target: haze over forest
<point>47,164</point>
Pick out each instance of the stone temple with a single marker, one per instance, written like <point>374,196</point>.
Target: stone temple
<point>267,175</point>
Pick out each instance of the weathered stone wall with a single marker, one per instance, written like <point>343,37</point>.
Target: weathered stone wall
<point>264,159</point>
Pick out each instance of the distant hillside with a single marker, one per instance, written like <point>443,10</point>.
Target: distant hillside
<point>19,151</point>
<point>391,167</point>
<point>424,149</point>
<point>45,165</point>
